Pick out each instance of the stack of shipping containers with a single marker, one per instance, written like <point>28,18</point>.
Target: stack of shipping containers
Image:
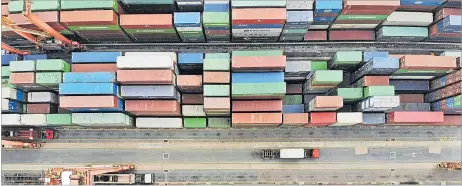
<point>299,19</point>
<point>189,26</point>
<point>216,21</point>
<point>217,102</point>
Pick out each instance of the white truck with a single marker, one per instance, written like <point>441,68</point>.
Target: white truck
<point>124,179</point>
<point>290,153</point>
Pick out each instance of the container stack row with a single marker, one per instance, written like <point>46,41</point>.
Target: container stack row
<point>113,21</point>
<point>241,89</point>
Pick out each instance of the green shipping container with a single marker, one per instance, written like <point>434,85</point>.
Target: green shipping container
<point>195,123</point>
<point>5,71</point>
<point>327,77</point>
<point>51,79</point>
<point>292,99</point>
<point>37,5</point>
<point>379,91</point>
<point>405,71</point>
<point>215,19</point>
<point>318,65</point>
<point>402,31</point>
<point>258,53</point>
<point>458,101</point>
<point>216,90</point>
<point>95,28</point>
<point>211,64</point>
<point>90,4</point>
<point>147,2</point>
<point>150,31</point>
<point>59,119</point>
<point>56,65</point>
<point>347,58</point>
<point>219,123</point>
<point>218,56</point>
<point>102,119</point>
<point>258,89</point>
<point>362,17</point>
<point>350,94</point>
<point>22,66</point>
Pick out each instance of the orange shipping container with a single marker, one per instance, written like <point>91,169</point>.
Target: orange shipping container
<point>72,102</point>
<point>94,67</point>
<point>328,102</point>
<point>41,108</point>
<point>192,99</point>
<point>427,62</point>
<point>295,119</point>
<point>216,77</point>
<point>411,98</point>
<point>415,117</point>
<point>89,17</point>
<point>259,62</point>
<point>257,106</point>
<point>145,21</point>
<point>259,15</point>
<point>22,78</point>
<point>5,10</point>
<point>157,77</point>
<point>189,83</point>
<point>376,81</point>
<point>153,107</point>
<point>322,119</point>
<point>257,118</point>
<point>217,104</point>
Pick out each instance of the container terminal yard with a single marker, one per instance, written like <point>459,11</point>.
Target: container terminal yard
<point>231,92</point>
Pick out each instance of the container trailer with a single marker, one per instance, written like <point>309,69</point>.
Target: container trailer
<point>118,179</point>
<point>6,144</point>
<point>450,165</point>
<point>290,153</point>
<point>28,134</point>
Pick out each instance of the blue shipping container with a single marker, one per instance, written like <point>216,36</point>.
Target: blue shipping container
<point>216,7</point>
<point>367,56</point>
<point>35,56</point>
<point>7,58</point>
<point>14,106</point>
<point>88,89</point>
<point>187,19</point>
<point>191,58</point>
<point>268,77</point>
<point>451,24</point>
<point>422,2</point>
<point>299,17</point>
<point>328,6</point>
<point>300,108</point>
<point>373,118</point>
<point>411,85</point>
<point>95,57</point>
<point>324,19</point>
<point>89,77</point>
<point>120,107</point>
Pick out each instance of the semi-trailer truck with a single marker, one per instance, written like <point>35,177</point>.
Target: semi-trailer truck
<point>28,134</point>
<point>123,179</point>
<point>450,165</point>
<point>6,144</point>
<point>290,153</point>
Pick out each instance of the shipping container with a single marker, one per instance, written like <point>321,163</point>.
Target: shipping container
<point>88,89</point>
<point>22,66</point>
<point>350,35</point>
<point>325,103</point>
<point>256,119</point>
<point>59,119</point>
<point>11,119</point>
<point>189,83</point>
<point>217,106</point>
<point>102,120</point>
<point>34,119</point>
<point>146,77</point>
<point>192,99</point>
<point>153,107</point>
<point>258,63</point>
<point>411,107</point>
<point>348,118</point>
<point>13,94</point>
<point>411,98</point>
<point>11,106</point>
<point>366,81</point>
<point>295,119</point>
<point>95,57</point>
<point>410,86</point>
<point>89,77</point>
<point>144,62</point>
<point>149,92</point>
<point>95,67</point>
<point>195,123</point>
<point>402,33</point>
<point>216,90</point>
<point>316,35</point>
<point>377,66</point>
<point>190,62</point>
<point>409,19</point>
<point>294,88</point>
<point>378,103</point>
<point>263,77</point>
<point>374,118</point>
<point>219,123</point>
<point>258,90</point>
<point>160,123</point>
<point>322,119</point>
<point>257,106</point>
<point>41,108</point>
<point>415,117</point>
<point>42,97</point>
<point>216,77</point>
<point>298,108</point>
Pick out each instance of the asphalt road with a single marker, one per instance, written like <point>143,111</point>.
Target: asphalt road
<point>382,155</point>
<point>411,133</point>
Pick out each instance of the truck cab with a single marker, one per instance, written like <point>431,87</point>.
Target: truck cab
<point>48,134</point>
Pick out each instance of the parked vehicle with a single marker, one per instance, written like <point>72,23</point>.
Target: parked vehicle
<point>290,153</point>
<point>450,165</point>
<point>6,144</point>
<point>112,179</point>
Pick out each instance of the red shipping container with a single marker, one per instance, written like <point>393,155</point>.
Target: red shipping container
<point>22,78</point>
<point>257,106</point>
<point>41,108</point>
<point>146,21</point>
<point>316,35</point>
<point>49,17</point>
<point>371,7</point>
<point>328,102</point>
<point>257,118</point>
<point>427,62</point>
<point>294,88</point>
<point>216,77</point>
<point>153,107</point>
<point>259,62</point>
<point>322,119</point>
<point>411,98</point>
<point>376,81</point>
<point>73,102</point>
<point>94,67</point>
<point>259,16</point>
<point>157,77</point>
<point>192,99</point>
<point>295,119</point>
<point>217,104</point>
<point>415,117</point>
<point>452,120</point>
<point>189,83</point>
<point>5,10</point>
<point>347,35</point>
<point>89,17</point>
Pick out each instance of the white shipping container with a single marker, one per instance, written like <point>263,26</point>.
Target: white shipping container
<point>11,119</point>
<point>452,53</point>
<point>193,110</point>
<point>298,66</point>
<point>299,4</point>
<point>409,19</point>
<point>102,119</point>
<point>371,26</point>
<point>34,119</point>
<point>258,32</point>
<point>150,92</point>
<point>10,93</point>
<point>42,97</point>
<point>349,118</point>
<point>5,104</point>
<point>145,62</point>
<point>153,54</point>
<point>292,153</point>
<point>161,123</point>
<point>379,103</point>
<point>319,26</point>
<point>188,29</point>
